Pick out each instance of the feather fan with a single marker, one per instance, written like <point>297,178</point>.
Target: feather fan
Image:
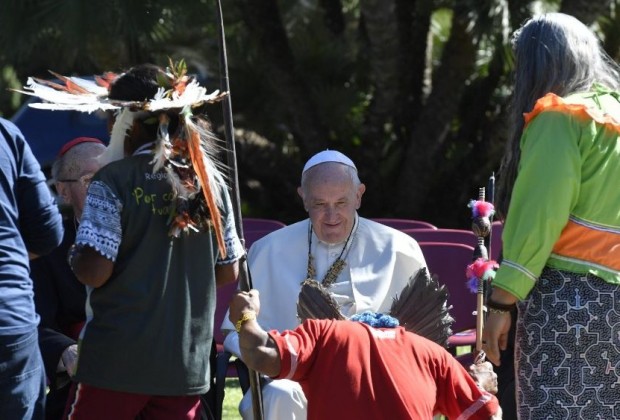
<point>422,308</point>
<point>315,302</point>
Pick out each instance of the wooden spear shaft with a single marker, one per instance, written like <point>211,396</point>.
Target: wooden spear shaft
<point>245,283</point>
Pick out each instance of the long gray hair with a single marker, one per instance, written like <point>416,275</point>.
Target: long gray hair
<point>554,53</point>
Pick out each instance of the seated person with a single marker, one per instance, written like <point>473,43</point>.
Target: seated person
<point>59,296</point>
<point>363,264</point>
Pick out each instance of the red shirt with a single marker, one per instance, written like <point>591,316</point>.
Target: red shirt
<point>351,370</point>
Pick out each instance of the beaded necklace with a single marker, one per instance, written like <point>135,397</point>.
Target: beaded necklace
<point>337,266</point>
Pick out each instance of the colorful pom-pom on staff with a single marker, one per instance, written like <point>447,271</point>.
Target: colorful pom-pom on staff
<point>481,208</point>
<point>480,269</point>
<point>482,211</point>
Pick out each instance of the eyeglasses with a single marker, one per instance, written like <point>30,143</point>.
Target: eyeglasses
<point>84,180</point>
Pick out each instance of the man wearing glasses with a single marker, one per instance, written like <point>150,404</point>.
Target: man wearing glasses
<point>73,170</point>
<point>59,296</point>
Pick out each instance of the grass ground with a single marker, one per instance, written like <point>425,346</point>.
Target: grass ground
<point>232,396</point>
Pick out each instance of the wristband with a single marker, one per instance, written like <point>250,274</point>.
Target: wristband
<point>495,307</point>
<point>245,316</point>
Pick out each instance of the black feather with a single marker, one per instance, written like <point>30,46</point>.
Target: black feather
<point>315,302</point>
<point>422,308</point>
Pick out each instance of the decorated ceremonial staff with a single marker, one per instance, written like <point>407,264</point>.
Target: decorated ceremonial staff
<point>482,270</point>
<point>245,282</point>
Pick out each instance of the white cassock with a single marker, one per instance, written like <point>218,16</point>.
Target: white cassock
<point>379,262</point>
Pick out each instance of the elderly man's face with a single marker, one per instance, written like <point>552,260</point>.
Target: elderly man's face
<point>77,174</point>
<point>331,200</point>
<point>86,171</point>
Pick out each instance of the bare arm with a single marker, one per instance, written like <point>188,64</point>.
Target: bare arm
<point>486,379</point>
<point>226,273</point>
<point>484,376</point>
<point>497,326</point>
<point>258,349</point>
<point>498,414</point>
<point>90,267</point>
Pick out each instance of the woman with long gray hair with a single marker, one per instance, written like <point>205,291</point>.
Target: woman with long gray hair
<point>561,241</point>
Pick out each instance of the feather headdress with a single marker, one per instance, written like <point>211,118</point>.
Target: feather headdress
<point>177,90</point>
<point>188,155</point>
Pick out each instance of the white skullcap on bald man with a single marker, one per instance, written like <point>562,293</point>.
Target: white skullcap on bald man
<point>328,156</point>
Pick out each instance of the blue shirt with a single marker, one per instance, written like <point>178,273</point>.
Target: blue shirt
<point>29,222</point>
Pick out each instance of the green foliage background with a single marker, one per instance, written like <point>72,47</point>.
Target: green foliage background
<point>415,91</point>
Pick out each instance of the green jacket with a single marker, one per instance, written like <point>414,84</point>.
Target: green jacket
<point>565,206</point>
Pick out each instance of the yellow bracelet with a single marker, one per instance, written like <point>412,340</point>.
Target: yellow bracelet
<point>245,316</point>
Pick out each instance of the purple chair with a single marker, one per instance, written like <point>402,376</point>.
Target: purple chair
<point>456,236</point>
<point>225,367</point>
<point>224,293</point>
<point>402,224</point>
<point>254,223</point>
<point>251,236</point>
<point>449,261</point>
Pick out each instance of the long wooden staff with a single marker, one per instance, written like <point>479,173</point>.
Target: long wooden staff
<point>245,282</point>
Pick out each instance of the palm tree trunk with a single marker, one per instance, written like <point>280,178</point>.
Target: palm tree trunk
<point>264,22</point>
<point>426,145</point>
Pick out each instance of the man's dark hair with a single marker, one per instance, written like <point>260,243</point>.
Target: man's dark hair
<point>137,84</point>
<point>140,83</point>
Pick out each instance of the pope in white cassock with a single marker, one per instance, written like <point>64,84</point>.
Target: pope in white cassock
<point>365,265</point>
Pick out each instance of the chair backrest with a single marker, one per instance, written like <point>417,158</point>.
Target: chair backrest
<point>457,236</point>
<point>401,224</point>
<point>449,261</point>
<point>254,223</point>
<point>252,236</point>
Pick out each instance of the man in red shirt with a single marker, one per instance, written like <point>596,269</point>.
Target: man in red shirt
<point>352,370</point>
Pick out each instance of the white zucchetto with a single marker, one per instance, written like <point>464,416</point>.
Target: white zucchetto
<point>328,156</point>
